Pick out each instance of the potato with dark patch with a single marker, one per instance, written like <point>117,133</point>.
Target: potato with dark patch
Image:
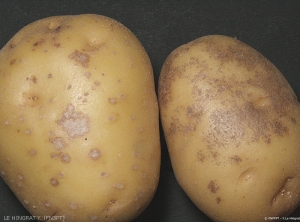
<point>232,126</point>
<point>79,133</point>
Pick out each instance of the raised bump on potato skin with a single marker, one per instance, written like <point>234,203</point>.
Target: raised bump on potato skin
<point>247,176</point>
<point>285,191</point>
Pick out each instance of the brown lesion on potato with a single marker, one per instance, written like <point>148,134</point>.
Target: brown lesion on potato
<point>213,186</point>
<point>58,142</point>
<point>166,78</point>
<point>54,182</point>
<point>226,128</point>
<point>64,157</point>
<point>32,152</point>
<point>235,158</point>
<point>279,128</point>
<point>112,100</point>
<point>94,154</point>
<point>80,57</point>
<point>31,78</point>
<point>286,190</point>
<point>57,29</point>
<point>75,123</point>
<point>201,156</point>
<point>12,62</point>
<point>218,200</point>
<point>185,119</point>
<point>110,205</point>
<point>39,42</point>
<point>30,99</point>
<point>11,46</point>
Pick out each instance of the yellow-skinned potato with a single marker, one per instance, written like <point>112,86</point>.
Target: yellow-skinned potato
<point>232,126</point>
<point>79,132</point>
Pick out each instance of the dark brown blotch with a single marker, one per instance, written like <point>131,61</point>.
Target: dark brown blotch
<point>38,43</point>
<point>213,187</point>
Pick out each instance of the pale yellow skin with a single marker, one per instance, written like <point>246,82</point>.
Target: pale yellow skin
<point>232,126</point>
<point>79,134</point>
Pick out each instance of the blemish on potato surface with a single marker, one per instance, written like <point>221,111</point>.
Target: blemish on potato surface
<point>80,57</point>
<point>38,43</point>
<point>74,123</point>
<point>32,152</point>
<point>104,174</point>
<point>20,176</point>
<point>94,154</point>
<point>213,187</point>
<point>112,100</point>
<point>235,158</point>
<point>54,182</point>
<point>94,217</point>
<point>134,167</point>
<point>31,78</point>
<point>47,204</point>
<point>119,186</point>
<point>12,61</point>
<point>58,142</point>
<point>201,156</point>
<point>72,205</point>
<point>87,75</point>
<point>65,158</point>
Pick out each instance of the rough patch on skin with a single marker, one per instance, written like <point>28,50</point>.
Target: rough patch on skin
<point>119,186</point>
<point>80,57</point>
<point>113,100</point>
<point>94,154</point>
<point>72,205</point>
<point>32,79</point>
<point>260,115</point>
<point>58,142</point>
<point>74,123</point>
<point>54,182</point>
<point>32,152</point>
<point>213,187</point>
<point>64,157</point>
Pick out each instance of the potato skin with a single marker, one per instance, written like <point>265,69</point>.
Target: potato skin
<point>79,133</point>
<point>232,127</point>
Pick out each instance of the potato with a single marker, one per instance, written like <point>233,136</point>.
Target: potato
<point>232,127</point>
<point>79,135</point>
